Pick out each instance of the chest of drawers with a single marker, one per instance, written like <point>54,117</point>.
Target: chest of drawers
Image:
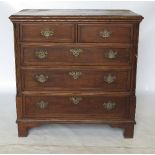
<point>76,66</point>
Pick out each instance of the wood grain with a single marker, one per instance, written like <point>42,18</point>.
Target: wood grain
<point>91,33</point>
<point>90,54</point>
<point>90,79</point>
<point>76,29</point>
<point>61,32</point>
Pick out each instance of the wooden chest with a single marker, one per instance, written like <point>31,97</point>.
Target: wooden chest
<point>76,66</point>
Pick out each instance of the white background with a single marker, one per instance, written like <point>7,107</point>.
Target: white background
<point>146,61</point>
<point>77,136</point>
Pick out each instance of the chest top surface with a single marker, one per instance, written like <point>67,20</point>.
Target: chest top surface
<point>75,13</point>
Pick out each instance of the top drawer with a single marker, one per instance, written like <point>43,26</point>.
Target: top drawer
<point>106,33</point>
<point>47,32</point>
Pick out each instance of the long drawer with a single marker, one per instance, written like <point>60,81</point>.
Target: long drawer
<point>106,33</point>
<point>75,54</point>
<point>94,106</point>
<point>73,78</point>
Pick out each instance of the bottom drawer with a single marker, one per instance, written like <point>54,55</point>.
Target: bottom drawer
<point>61,106</point>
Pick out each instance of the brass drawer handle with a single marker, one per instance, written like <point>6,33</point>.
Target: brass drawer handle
<point>41,78</point>
<point>47,33</point>
<point>76,51</point>
<point>111,54</point>
<point>105,34</point>
<point>75,99</point>
<point>41,54</point>
<point>109,105</point>
<point>76,75</point>
<point>42,104</point>
<point>109,78</point>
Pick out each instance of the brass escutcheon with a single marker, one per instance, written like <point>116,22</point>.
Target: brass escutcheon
<point>110,54</point>
<point>47,33</point>
<point>76,51</point>
<point>41,78</point>
<point>41,54</point>
<point>105,34</point>
<point>109,105</point>
<point>75,99</point>
<point>42,104</point>
<point>109,78</point>
<point>76,75</point>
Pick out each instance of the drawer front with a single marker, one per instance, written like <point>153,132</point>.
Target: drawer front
<point>74,55</point>
<point>74,106</point>
<point>47,32</point>
<point>106,33</point>
<point>74,79</point>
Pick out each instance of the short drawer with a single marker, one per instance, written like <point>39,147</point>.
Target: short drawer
<point>98,106</point>
<point>106,33</point>
<point>47,32</point>
<point>75,78</point>
<point>75,54</point>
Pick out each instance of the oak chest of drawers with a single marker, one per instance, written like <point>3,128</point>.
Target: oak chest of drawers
<point>76,66</point>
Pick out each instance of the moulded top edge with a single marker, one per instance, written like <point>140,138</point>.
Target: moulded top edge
<point>70,14</point>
